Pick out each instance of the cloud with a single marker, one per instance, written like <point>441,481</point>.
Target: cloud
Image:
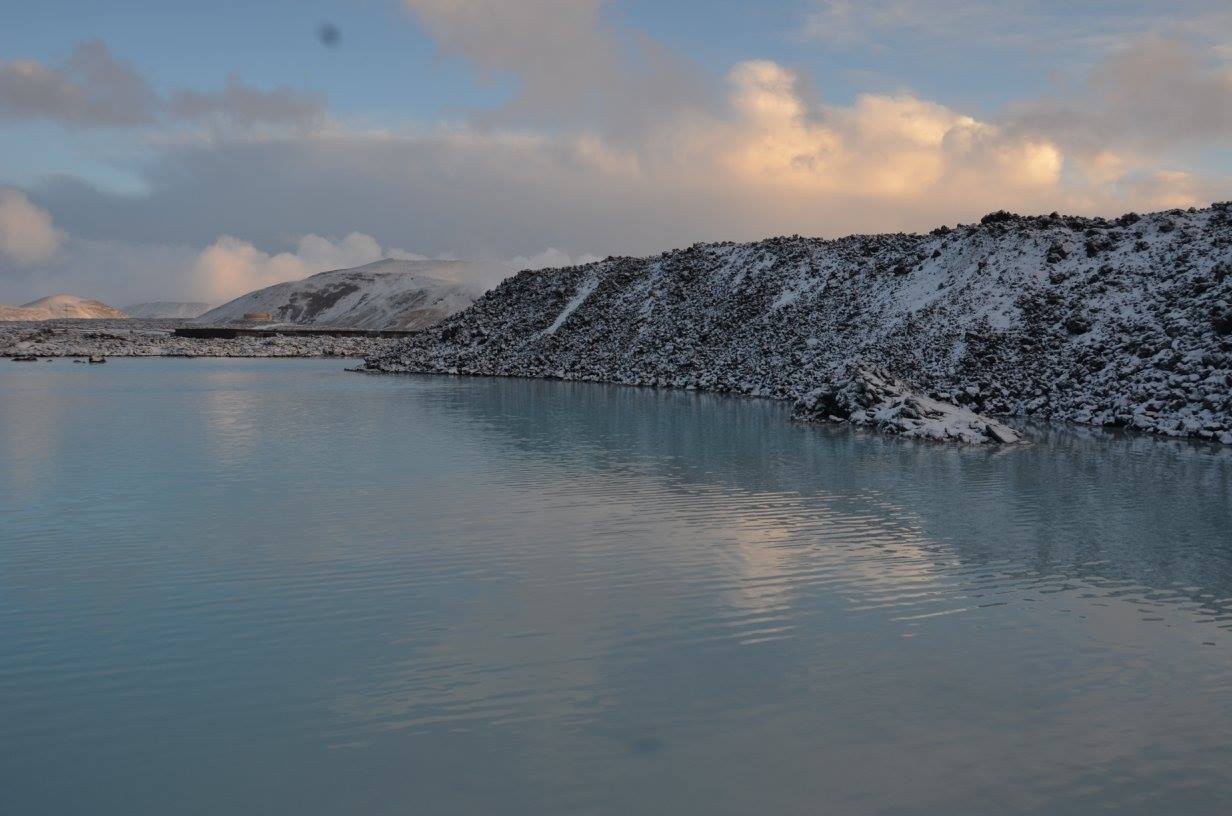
<point>888,148</point>
<point>230,267</point>
<point>1151,95</point>
<point>570,63</point>
<point>1165,189</point>
<point>240,104</point>
<point>92,88</point>
<point>27,234</point>
<point>1059,28</point>
<point>115,272</point>
<point>766,162</point>
<point>550,258</point>
<point>762,157</point>
<point>124,272</point>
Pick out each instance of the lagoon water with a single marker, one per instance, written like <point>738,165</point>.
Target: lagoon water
<point>272,586</point>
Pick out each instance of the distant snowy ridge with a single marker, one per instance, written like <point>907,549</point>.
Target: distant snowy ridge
<point>61,306</point>
<point>166,309</point>
<point>389,294</point>
<point>1124,322</point>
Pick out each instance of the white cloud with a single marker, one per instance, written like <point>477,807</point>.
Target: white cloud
<point>572,64</point>
<point>27,234</point>
<point>761,157</point>
<point>231,267</point>
<point>769,163</point>
<point>891,148</point>
<point>119,272</point>
<point>549,258</point>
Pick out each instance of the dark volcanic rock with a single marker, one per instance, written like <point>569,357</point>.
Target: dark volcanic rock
<point>986,314</point>
<point>871,397</point>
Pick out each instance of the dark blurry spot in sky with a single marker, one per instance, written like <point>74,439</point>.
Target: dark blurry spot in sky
<point>329,35</point>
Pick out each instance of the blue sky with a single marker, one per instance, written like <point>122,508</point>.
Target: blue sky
<point>385,64</point>
<point>136,136</point>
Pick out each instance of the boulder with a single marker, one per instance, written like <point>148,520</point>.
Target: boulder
<point>870,396</point>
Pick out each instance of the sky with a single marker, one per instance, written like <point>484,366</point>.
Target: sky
<point>174,150</point>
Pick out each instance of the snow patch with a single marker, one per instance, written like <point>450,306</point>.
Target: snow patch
<point>584,291</point>
<point>55,307</point>
<point>871,397</point>
<point>389,294</point>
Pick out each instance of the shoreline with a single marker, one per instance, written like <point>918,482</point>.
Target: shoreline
<point>1121,323</point>
<point>136,337</point>
<point>1033,427</point>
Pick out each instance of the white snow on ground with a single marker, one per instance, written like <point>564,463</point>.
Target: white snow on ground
<point>55,307</point>
<point>583,291</point>
<point>389,294</point>
<point>154,338</point>
<point>1124,322</point>
<point>871,397</point>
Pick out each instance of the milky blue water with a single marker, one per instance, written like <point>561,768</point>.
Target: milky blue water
<point>252,587</point>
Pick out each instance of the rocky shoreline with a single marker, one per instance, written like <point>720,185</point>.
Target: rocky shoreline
<point>155,338</point>
<point>1121,323</point>
<point>872,398</point>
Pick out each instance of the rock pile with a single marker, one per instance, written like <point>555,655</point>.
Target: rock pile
<point>870,397</point>
<point>1124,322</point>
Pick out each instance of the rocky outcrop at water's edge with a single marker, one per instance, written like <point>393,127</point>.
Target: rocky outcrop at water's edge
<point>870,397</point>
<point>1122,322</point>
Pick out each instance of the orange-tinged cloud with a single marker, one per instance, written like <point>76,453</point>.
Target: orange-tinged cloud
<point>27,234</point>
<point>890,147</point>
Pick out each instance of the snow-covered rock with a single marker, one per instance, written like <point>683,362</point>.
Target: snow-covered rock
<point>134,337</point>
<point>55,307</point>
<point>166,309</point>
<point>389,294</point>
<point>1124,322</point>
<point>871,397</point>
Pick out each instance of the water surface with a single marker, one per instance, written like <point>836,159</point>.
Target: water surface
<point>243,587</point>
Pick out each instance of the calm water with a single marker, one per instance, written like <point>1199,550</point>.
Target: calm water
<point>248,587</point>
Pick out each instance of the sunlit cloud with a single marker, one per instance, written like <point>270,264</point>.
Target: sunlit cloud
<point>27,234</point>
<point>610,143</point>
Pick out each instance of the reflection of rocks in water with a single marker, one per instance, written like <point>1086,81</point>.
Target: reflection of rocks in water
<point>1079,502</point>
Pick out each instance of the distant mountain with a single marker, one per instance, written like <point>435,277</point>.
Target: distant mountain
<point>389,294</point>
<point>166,309</point>
<point>1124,322</point>
<point>60,306</point>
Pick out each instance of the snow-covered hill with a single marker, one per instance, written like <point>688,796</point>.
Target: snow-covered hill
<point>1124,322</point>
<point>166,309</point>
<point>389,294</point>
<point>55,307</point>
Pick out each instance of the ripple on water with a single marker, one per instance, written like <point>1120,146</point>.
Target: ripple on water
<point>270,584</point>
